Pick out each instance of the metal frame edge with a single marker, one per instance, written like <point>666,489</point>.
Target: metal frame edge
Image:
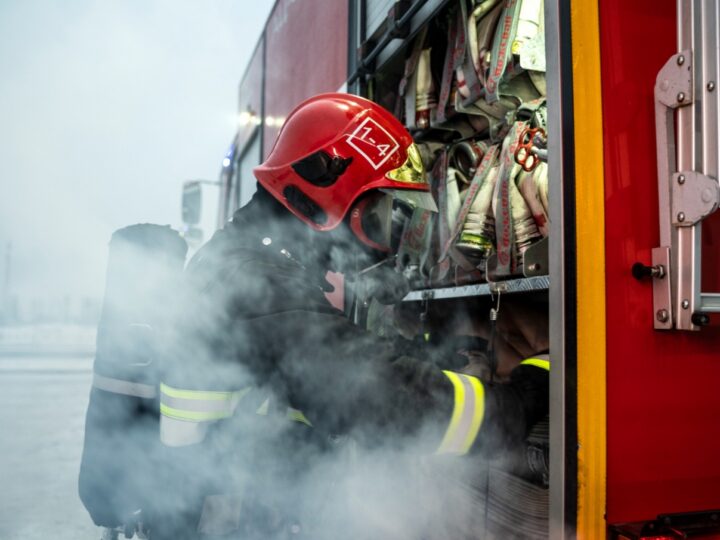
<point>563,465</point>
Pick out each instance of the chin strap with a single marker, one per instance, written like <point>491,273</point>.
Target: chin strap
<point>357,229</point>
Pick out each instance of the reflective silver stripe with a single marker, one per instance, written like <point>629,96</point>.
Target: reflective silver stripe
<point>126,388</point>
<point>467,415</point>
<point>174,432</point>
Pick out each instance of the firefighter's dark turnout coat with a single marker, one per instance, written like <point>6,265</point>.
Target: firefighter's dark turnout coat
<point>258,347</point>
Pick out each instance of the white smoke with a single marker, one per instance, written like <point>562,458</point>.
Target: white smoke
<point>367,476</point>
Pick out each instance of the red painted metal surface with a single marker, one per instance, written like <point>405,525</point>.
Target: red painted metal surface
<point>663,431</point>
<point>307,50</point>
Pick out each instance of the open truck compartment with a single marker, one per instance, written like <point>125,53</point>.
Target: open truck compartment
<point>536,122</point>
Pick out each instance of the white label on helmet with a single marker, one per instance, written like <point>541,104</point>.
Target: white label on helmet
<point>373,143</point>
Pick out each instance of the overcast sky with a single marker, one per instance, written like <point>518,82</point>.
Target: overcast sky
<point>105,107</point>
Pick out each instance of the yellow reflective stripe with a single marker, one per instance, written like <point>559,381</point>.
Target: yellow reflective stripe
<point>193,416</point>
<point>297,416</point>
<point>537,362</point>
<point>198,406</point>
<point>478,413</point>
<point>456,414</point>
<point>196,394</point>
<point>467,415</point>
<point>124,387</point>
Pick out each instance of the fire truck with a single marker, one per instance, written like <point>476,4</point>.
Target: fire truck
<point>628,260</point>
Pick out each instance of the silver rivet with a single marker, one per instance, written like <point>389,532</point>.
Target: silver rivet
<point>266,241</point>
<point>681,216</point>
<point>685,304</point>
<point>711,86</point>
<point>681,179</point>
<point>662,315</point>
<point>680,60</point>
<point>681,97</point>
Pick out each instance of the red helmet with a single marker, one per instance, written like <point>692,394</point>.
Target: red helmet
<point>332,149</point>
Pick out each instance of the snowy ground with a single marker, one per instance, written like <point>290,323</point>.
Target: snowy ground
<point>42,412</point>
<point>47,340</point>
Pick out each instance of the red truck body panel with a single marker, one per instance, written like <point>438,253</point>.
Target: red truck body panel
<point>663,433</point>
<point>307,53</point>
<point>250,94</point>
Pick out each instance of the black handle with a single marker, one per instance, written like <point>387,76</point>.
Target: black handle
<point>641,271</point>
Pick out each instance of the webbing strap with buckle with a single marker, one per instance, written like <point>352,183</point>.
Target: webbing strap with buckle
<point>480,175</point>
<point>439,178</point>
<point>488,14</point>
<point>124,387</point>
<point>469,85</point>
<point>467,415</point>
<point>407,96</point>
<point>504,36</point>
<point>506,261</point>
<point>454,51</point>
<point>442,175</point>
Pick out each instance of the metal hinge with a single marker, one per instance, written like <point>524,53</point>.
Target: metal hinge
<point>688,145</point>
<point>694,196</point>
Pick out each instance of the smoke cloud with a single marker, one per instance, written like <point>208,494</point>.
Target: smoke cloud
<point>367,473</point>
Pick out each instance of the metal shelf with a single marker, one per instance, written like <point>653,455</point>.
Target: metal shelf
<point>536,283</point>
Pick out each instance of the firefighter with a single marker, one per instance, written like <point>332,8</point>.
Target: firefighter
<point>259,345</point>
